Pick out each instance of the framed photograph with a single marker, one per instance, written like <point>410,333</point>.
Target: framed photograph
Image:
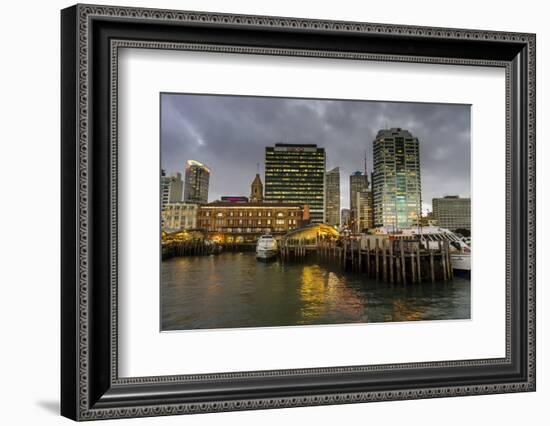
<point>263,212</point>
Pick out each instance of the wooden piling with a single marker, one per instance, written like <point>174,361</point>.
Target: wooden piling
<point>418,265</point>
<point>403,269</point>
<point>442,258</point>
<point>359,256</point>
<point>368,258</point>
<point>384,269</point>
<point>432,270</point>
<point>413,269</point>
<point>391,260</point>
<point>351,254</point>
<point>449,265</point>
<point>377,266</point>
<point>344,254</point>
<point>397,270</point>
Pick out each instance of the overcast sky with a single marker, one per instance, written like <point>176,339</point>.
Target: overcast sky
<point>229,134</point>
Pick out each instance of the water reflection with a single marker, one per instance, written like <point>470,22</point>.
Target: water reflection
<point>234,290</point>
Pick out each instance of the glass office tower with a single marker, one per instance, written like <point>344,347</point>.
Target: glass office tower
<point>197,179</point>
<point>396,179</point>
<point>295,173</point>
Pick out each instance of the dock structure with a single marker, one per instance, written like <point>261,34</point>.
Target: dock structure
<point>404,261</point>
<point>189,248</point>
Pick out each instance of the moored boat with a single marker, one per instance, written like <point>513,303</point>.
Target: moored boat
<point>266,248</point>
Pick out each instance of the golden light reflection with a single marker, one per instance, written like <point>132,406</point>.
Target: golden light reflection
<point>403,311</point>
<point>321,291</point>
<point>312,293</point>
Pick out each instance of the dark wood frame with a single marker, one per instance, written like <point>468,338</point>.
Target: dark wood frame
<point>90,386</point>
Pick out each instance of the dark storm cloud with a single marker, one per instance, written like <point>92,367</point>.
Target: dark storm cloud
<point>230,133</point>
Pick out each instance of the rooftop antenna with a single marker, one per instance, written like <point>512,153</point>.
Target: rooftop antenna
<point>258,168</point>
<point>366,163</point>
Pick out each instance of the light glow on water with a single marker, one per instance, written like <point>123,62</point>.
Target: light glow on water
<point>234,290</point>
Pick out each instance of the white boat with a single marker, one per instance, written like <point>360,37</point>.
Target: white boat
<point>266,248</point>
<point>430,236</point>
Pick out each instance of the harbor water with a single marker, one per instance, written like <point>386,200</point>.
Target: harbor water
<point>234,290</point>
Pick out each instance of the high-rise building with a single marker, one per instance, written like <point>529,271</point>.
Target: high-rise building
<point>345,218</point>
<point>358,184</point>
<point>197,178</point>
<point>171,188</point>
<point>452,212</point>
<point>332,197</point>
<point>257,190</point>
<point>295,173</point>
<point>363,216</point>
<point>396,179</point>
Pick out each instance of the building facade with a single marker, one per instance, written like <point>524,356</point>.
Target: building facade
<point>345,217</point>
<point>295,174</point>
<point>197,179</point>
<point>358,188</point>
<point>452,212</point>
<point>363,216</point>
<point>245,222</point>
<point>332,197</point>
<point>171,188</point>
<point>396,179</point>
<point>178,216</point>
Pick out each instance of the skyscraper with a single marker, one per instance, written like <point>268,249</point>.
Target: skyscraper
<point>396,179</point>
<point>257,190</point>
<point>360,202</point>
<point>332,197</point>
<point>197,178</point>
<point>345,218</point>
<point>171,188</point>
<point>358,182</point>
<point>364,212</point>
<point>295,173</point>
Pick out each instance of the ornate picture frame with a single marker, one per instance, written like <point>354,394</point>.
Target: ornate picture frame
<point>91,37</point>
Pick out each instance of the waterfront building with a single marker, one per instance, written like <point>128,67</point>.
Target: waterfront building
<point>246,222</point>
<point>452,212</point>
<point>295,173</point>
<point>197,178</point>
<point>171,188</point>
<point>396,179</point>
<point>345,216</point>
<point>358,188</point>
<point>257,190</point>
<point>179,216</point>
<point>332,197</point>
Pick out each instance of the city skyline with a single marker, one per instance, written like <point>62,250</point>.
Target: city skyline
<point>230,133</point>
